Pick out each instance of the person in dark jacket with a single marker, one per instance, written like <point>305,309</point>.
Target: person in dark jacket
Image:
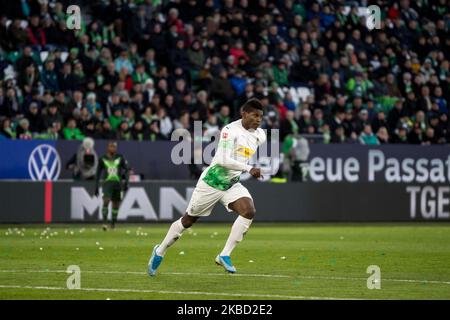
<point>35,117</point>
<point>49,77</point>
<point>179,57</point>
<point>36,34</point>
<point>52,115</point>
<point>221,88</point>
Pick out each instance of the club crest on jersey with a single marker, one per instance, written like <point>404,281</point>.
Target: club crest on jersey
<point>225,135</point>
<point>246,152</point>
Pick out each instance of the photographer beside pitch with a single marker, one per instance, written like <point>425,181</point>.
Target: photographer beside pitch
<point>219,182</point>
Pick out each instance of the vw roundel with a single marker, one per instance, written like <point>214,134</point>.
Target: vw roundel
<point>44,163</point>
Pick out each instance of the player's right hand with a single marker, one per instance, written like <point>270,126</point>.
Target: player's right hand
<point>256,173</point>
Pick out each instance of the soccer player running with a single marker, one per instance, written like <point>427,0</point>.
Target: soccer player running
<point>115,180</point>
<point>219,182</point>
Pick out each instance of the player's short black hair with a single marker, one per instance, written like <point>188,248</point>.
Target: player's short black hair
<point>252,104</point>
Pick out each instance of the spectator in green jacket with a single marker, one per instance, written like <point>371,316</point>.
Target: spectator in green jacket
<point>280,73</point>
<point>71,132</point>
<point>139,75</point>
<point>116,118</point>
<point>53,132</point>
<point>367,137</point>
<point>6,129</point>
<point>358,86</point>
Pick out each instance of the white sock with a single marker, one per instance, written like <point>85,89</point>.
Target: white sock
<point>174,233</point>
<point>239,228</point>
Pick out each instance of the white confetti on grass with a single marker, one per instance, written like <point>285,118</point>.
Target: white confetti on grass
<point>181,253</point>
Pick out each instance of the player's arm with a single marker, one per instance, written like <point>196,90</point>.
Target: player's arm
<point>224,154</point>
<point>125,170</point>
<point>98,174</point>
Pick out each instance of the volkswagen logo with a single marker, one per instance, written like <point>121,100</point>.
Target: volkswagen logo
<point>44,163</point>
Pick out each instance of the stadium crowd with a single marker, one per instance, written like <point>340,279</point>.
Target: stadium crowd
<point>139,69</point>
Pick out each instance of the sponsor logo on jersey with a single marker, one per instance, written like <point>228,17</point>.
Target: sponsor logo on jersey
<point>246,152</point>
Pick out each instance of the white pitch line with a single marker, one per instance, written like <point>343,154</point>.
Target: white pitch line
<point>165,273</point>
<point>231,275</point>
<point>176,292</point>
<point>382,279</point>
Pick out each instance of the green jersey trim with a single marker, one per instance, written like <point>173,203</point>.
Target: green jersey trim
<point>217,177</point>
<point>226,144</point>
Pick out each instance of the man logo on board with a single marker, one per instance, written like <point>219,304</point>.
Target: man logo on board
<point>44,163</point>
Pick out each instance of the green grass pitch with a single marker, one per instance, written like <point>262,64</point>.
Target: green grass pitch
<point>275,261</point>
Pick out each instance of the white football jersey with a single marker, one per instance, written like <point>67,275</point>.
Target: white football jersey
<point>236,146</point>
